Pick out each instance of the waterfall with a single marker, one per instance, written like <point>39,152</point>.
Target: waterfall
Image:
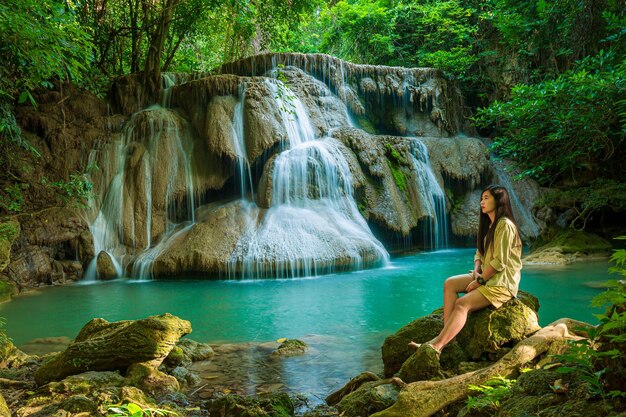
<point>148,168</point>
<point>525,220</point>
<point>313,218</point>
<point>432,196</point>
<point>239,143</point>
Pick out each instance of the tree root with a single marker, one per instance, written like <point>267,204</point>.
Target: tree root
<point>425,398</point>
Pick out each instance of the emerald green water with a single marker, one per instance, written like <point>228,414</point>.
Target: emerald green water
<point>343,317</point>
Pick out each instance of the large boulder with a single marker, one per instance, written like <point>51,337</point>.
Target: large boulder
<point>105,267</point>
<point>487,334</point>
<point>104,346</point>
<point>208,245</point>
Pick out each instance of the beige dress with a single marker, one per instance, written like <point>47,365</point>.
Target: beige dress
<point>505,256</point>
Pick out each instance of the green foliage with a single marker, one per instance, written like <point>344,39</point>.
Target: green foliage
<point>135,410</point>
<point>436,34</point>
<point>74,192</point>
<point>564,128</point>
<point>586,200</point>
<point>398,175</point>
<point>393,153</point>
<point>583,355</point>
<point>9,231</point>
<point>493,391</point>
<point>359,31</point>
<point>11,198</point>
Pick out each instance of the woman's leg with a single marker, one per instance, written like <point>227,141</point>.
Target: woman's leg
<point>471,301</point>
<point>451,289</point>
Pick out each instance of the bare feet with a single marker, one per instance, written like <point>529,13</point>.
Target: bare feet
<point>428,344</point>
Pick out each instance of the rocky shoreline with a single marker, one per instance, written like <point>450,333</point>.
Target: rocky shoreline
<point>150,363</point>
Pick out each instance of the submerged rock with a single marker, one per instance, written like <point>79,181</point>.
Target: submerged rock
<point>291,347</point>
<point>103,346</point>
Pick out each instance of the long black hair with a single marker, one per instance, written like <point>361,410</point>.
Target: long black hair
<point>503,209</point>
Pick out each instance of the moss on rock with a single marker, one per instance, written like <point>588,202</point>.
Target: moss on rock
<point>104,346</point>
<point>271,405</point>
<point>9,231</point>
<point>564,246</point>
<point>7,290</point>
<point>291,347</point>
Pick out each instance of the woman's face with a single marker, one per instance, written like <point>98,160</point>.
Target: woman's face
<point>487,203</point>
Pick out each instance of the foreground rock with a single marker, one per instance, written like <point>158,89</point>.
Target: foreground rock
<point>425,398</point>
<point>485,336</point>
<point>105,346</point>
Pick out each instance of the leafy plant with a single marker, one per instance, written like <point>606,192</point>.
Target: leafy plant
<point>75,192</point>
<point>135,410</point>
<point>591,358</point>
<point>493,392</point>
<point>563,129</point>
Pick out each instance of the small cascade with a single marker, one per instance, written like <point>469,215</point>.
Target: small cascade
<point>239,143</point>
<point>146,185</point>
<point>432,196</point>
<point>293,114</point>
<point>313,219</point>
<point>169,81</point>
<point>524,218</point>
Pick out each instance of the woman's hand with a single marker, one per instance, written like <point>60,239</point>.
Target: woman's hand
<point>472,286</point>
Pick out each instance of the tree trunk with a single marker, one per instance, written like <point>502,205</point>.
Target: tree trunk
<point>425,398</point>
<point>152,68</point>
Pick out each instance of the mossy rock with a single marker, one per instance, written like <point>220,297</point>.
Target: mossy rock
<point>291,347</point>
<point>151,380</point>
<point>567,246</point>
<point>104,346</point>
<point>79,404</point>
<point>195,351</point>
<point>352,385</point>
<point>270,405</point>
<point>7,290</point>
<point>370,398</point>
<point>9,231</point>
<point>488,331</point>
<point>395,349</point>
<point>423,365</point>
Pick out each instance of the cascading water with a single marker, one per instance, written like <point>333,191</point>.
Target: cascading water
<point>313,217</point>
<point>433,197</point>
<point>239,143</point>
<point>146,180</point>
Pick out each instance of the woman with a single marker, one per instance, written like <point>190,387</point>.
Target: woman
<point>497,267</point>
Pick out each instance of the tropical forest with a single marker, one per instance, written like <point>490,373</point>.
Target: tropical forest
<point>312,208</point>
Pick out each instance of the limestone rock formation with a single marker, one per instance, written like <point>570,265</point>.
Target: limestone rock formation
<point>105,267</point>
<point>566,246</point>
<point>464,215</point>
<point>207,245</point>
<point>48,240</point>
<point>104,346</point>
